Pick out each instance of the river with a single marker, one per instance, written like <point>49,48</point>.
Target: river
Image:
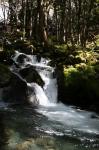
<point>49,125</point>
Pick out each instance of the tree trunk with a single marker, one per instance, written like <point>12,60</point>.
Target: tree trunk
<point>62,25</point>
<point>24,19</point>
<point>42,23</point>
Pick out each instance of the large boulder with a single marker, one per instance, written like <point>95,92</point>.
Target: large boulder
<point>15,87</point>
<point>17,90</point>
<point>31,75</point>
<point>14,84</point>
<point>5,76</point>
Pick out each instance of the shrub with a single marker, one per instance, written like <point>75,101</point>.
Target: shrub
<point>82,84</point>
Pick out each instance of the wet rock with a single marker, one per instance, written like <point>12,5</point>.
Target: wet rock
<point>38,57</point>
<point>31,75</point>
<point>17,90</point>
<point>14,85</point>
<point>21,59</point>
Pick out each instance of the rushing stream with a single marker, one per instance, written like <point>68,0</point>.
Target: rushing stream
<point>49,125</point>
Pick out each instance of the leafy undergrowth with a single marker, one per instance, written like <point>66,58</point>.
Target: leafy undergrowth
<point>81,80</point>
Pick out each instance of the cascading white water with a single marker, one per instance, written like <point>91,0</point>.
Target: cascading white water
<point>40,95</point>
<point>47,97</point>
<point>48,94</point>
<point>50,86</point>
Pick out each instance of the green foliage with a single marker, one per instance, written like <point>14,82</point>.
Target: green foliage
<point>69,55</point>
<point>24,46</point>
<point>87,57</point>
<point>82,82</point>
<point>61,48</point>
<point>81,79</point>
<point>97,40</point>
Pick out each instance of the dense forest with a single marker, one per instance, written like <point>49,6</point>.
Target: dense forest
<point>52,21</point>
<point>67,32</point>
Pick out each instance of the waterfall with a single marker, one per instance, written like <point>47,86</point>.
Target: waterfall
<point>46,95</point>
<point>68,118</point>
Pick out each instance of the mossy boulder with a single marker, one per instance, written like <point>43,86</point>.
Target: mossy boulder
<point>31,75</point>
